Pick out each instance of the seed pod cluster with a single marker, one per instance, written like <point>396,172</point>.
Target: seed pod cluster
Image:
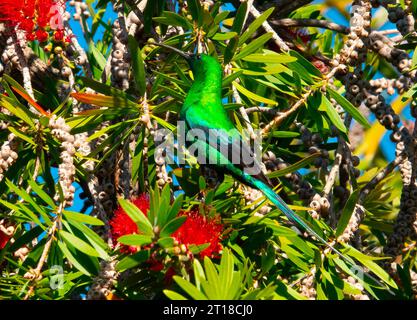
<point>358,286</point>
<point>320,205</point>
<point>313,141</point>
<point>405,224</point>
<point>413,276</point>
<point>307,287</point>
<point>66,169</point>
<point>120,58</point>
<point>403,19</point>
<point>386,48</point>
<point>103,185</point>
<point>161,171</point>
<point>9,57</point>
<point>3,125</point>
<point>252,196</point>
<point>102,285</point>
<point>405,166</point>
<point>382,84</point>
<point>303,189</point>
<point>354,50</point>
<point>81,9</point>
<point>383,111</point>
<point>357,131</point>
<point>353,225</point>
<point>8,154</point>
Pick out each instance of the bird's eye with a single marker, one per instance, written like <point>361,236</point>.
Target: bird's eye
<point>199,56</point>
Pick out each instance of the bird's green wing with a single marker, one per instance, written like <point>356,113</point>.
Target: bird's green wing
<point>223,147</point>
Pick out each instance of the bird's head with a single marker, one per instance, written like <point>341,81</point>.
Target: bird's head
<point>200,63</point>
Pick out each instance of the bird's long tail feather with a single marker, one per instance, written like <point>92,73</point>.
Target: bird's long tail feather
<point>293,217</point>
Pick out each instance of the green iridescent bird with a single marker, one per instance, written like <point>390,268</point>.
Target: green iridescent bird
<point>203,112</point>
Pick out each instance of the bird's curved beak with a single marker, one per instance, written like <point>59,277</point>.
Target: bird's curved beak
<point>185,55</point>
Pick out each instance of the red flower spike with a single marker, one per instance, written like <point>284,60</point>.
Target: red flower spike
<point>59,35</point>
<point>33,17</point>
<point>41,35</point>
<point>68,38</point>
<point>121,224</point>
<point>198,229</point>
<point>4,239</point>
<point>30,37</point>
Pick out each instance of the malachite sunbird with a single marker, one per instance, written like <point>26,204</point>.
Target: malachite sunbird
<point>203,111</point>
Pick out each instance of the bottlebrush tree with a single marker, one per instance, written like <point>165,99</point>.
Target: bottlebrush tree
<point>94,204</point>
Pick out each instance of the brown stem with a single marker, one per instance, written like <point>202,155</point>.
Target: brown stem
<point>310,23</point>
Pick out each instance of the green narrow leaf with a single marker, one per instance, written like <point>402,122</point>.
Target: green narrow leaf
<point>270,58</point>
<point>253,46</point>
<point>414,59</point>
<point>172,226</point>
<point>137,216</point>
<point>138,65</point>
<point>189,288</point>
<point>167,242</point>
<point>19,111</point>
<point>79,244</point>
<point>196,11</point>
<point>213,283</point>
<point>254,26</point>
<point>330,110</point>
<point>173,295</point>
<point>226,269</point>
<point>101,60</point>
<point>135,240</point>
<point>172,19</point>
<point>252,95</point>
<point>240,17</point>
<point>230,50</point>
<point>175,208</point>
<point>354,112</point>
<point>224,36</point>
<point>133,260</point>
<point>67,254</point>
<point>307,65</point>
<point>198,273</point>
<point>84,218</point>
<point>25,196</point>
<point>371,265</point>
<point>21,135</point>
<point>197,248</point>
<point>347,212</point>
<point>42,194</point>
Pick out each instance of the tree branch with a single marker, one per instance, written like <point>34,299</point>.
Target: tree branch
<point>310,23</point>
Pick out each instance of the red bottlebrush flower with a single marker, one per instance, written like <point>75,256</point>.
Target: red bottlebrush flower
<point>155,265</point>
<point>320,65</point>
<point>33,16</point>
<point>27,25</point>
<point>198,229</point>
<point>30,37</point>
<point>68,38</point>
<point>4,239</point>
<point>169,275</point>
<point>121,224</point>
<point>59,35</point>
<point>41,35</point>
